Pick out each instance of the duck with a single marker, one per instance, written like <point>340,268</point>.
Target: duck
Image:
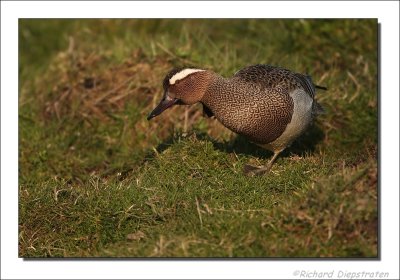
<point>269,105</point>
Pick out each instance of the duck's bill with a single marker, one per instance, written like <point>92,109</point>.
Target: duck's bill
<point>164,105</point>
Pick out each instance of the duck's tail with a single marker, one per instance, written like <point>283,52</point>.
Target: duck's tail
<point>317,109</point>
<point>320,87</point>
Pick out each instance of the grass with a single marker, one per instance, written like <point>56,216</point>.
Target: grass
<point>97,179</point>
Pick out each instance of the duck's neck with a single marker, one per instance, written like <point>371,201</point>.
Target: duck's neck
<point>221,97</point>
<point>216,95</point>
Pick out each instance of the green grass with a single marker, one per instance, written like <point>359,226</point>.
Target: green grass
<point>97,179</point>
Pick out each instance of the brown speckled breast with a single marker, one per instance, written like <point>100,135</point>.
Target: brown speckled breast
<point>255,102</point>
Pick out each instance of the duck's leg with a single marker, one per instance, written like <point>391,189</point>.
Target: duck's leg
<point>259,170</point>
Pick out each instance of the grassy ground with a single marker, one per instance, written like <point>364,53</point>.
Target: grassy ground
<point>97,179</point>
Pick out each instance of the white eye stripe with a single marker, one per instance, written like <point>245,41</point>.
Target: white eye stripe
<point>183,74</point>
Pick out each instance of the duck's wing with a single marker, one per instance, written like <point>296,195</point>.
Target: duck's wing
<point>270,77</point>
<point>306,83</point>
<point>264,76</point>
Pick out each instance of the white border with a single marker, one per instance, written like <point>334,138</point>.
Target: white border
<point>12,267</point>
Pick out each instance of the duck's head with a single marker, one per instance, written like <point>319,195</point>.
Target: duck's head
<point>182,87</point>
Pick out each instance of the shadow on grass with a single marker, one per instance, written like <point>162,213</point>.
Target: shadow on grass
<point>305,144</point>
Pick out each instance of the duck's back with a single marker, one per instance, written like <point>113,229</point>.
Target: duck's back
<point>275,79</point>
